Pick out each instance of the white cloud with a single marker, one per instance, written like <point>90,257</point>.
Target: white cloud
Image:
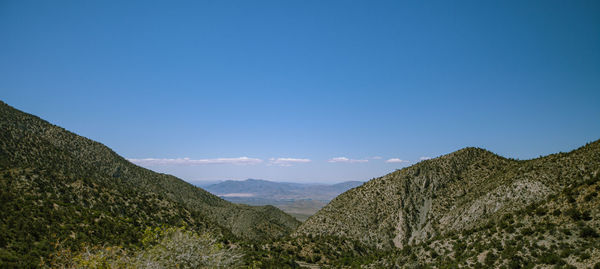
<point>287,161</point>
<point>396,160</point>
<point>188,161</point>
<point>424,158</point>
<point>345,160</point>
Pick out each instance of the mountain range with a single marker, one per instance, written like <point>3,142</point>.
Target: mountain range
<point>300,200</point>
<point>60,192</point>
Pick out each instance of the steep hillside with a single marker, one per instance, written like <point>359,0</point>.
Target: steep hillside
<point>457,192</point>
<point>58,186</point>
<point>561,230</point>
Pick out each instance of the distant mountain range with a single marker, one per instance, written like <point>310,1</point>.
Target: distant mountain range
<point>299,200</point>
<point>264,189</point>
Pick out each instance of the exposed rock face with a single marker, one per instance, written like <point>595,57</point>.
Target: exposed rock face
<point>454,192</point>
<point>513,196</point>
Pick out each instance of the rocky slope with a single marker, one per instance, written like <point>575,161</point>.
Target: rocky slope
<point>561,230</point>
<point>56,186</point>
<point>457,192</point>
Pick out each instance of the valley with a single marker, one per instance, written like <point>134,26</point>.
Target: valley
<point>71,202</point>
<point>300,200</point>
<point>299,134</point>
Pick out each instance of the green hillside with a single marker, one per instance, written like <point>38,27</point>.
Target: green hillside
<point>465,206</point>
<point>56,186</point>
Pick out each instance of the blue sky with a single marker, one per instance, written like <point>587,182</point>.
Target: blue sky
<point>291,85</point>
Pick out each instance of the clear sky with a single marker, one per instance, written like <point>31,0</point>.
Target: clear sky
<point>318,91</point>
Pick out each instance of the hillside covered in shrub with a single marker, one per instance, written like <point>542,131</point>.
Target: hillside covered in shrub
<point>56,186</point>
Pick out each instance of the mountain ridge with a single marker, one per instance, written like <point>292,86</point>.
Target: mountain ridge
<point>76,189</point>
<point>471,183</point>
<point>268,188</point>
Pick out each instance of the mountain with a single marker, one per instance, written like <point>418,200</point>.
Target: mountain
<point>296,199</point>
<point>255,187</point>
<point>280,190</point>
<point>469,208</point>
<point>56,186</point>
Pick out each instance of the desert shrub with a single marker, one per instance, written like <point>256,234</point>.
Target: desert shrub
<point>515,262</point>
<point>526,231</point>
<point>565,252</point>
<point>556,212</point>
<point>181,248</point>
<point>586,215</point>
<point>550,258</point>
<point>490,259</point>
<point>590,196</point>
<point>163,247</point>
<point>587,232</point>
<point>541,211</point>
<point>584,256</point>
<point>573,213</point>
<point>88,257</point>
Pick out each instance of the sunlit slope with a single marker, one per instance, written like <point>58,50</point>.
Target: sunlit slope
<point>58,186</point>
<point>456,192</point>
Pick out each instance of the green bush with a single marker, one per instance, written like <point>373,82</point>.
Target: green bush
<point>164,247</point>
<point>526,231</point>
<point>490,259</point>
<point>550,258</point>
<point>573,213</point>
<point>590,196</point>
<point>541,211</point>
<point>588,232</point>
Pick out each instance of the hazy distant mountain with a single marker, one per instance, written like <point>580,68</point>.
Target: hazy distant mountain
<point>58,186</point>
<point>300,200</point>
<point>280,190</point>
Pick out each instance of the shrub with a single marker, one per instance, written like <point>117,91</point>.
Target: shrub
<point>587,232</point>
<point>526,231</point>
<point>551,258</point>
<point>165,247</point>
<point>590,196</point>
<point>573,213</point>
<point>585,215</point>
<point>541,211</point>
<point>556,212</point>
<point>187,249</point>
<point>584,256</point>
<point>515,262</point>
<point>490,259</point>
